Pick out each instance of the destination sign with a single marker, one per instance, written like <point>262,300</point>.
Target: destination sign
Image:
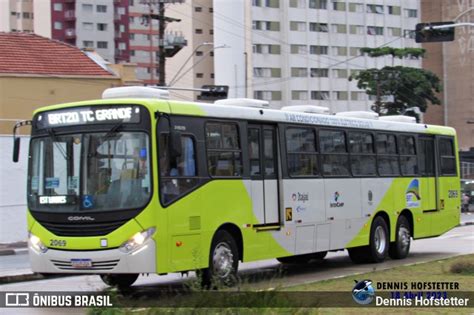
<point>88,115</point>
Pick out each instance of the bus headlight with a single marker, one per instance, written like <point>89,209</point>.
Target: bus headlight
<point>36,244</point>
<point>137,240</point>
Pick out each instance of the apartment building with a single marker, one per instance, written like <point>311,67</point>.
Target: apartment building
<point>193,65</point>
<point>101,25</point>
<point>16,16</point>
<point>303,51</point>
<point>454,63</point>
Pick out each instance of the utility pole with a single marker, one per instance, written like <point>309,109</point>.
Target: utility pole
<point>161,42</point>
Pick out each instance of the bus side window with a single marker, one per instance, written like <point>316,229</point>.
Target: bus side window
<point>335,161</point>
<point>447,157</point>
<point>224,155</point>
<point>387,157</point>
<point>361,147</point>
<point>178,176</point>
<point>408,159</point>
<point>302,154</point>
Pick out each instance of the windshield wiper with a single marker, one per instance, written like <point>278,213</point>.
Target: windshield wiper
<point>53,136</point>
<point>115,129</point>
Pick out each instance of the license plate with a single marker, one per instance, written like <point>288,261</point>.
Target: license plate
<point>81,263</point>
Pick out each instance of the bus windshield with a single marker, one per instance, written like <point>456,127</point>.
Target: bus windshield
<point>91,171</point>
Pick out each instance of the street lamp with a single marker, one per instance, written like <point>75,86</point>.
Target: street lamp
<point>179,75</point>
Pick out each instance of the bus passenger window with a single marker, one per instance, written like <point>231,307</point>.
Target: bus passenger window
<point>387,157</point>
<point>361,146</point>
<point>335,161</point>
<point>302,154</point>
<point>223,150</point>
<point>447,157</point>
<point>179,175</point>
<point>408,159</point>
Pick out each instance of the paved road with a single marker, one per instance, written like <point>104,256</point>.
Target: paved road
<point>267,273</point>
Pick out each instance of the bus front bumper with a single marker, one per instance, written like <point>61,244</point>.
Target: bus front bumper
<point>142,260</point>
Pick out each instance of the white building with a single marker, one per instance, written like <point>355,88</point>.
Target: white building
<point>303,51</point>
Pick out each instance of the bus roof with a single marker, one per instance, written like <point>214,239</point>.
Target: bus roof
<point>262,114</point>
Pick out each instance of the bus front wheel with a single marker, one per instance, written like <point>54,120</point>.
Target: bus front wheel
<point>122,281</point>
<point>223,262</point>
<point>400,248</point>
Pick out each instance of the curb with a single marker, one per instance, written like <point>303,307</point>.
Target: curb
<point>21,277</point>
<point>13,251</point>
<point>466,223</point>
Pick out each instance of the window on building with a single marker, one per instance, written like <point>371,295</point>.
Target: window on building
<point>297,26</point>
<point>101,8</point>
<point>199,53</point>
<point>339,28</point>
<point>319,72</point>
<point>411,13</point>
<point>87,8</point>
<point>88,26</point>
<point>121,10</point>
<point>299,49</point>
<point>58,7</point>
<point>101,26</point>
<point>447,157</point>
<point>212,75</point>
<point>26,15</point>
<point>302,153</point>
<point>131,19</point>
<point>266,25</point>
<point>318,4</point>
<point>199,75</point>
<point>358,96</point>
<point>267,72</point>
<point>318,50</point>
<point>339,73</point>
<point>339,50</point>
<point>320,95</point>
<point>361,147</point>
<point>356,7</point>
<point>394,10</point>
<point>88,44</point>
<point>341,95</point>
<point>339,6</point>
<point>334,158</point>
<point>224,156</point>
<point>299,72</point>
<point>394,31</point>
<point>197,9</point>
<point>300,4</point>
<point>373,8</point>
<point>198,31</point>
<point>354,51</point>
<point>387,158</point>
<point>268,95</point>
<point>356,29</point>
<point>211,32</point>
<point>409,34</point>
<point>13,13</point>
<point>132,53</point>
<point>58,25</point>
<point>122,46</point>
<point>318,27</point>
<point>374,30</point>
<point>211,54</point>
<point>131,36</point>
<point>102,45</point>
<point>211,10</point>
<point>408,159</point>
<point>299,95</point>
<point>266,49</point>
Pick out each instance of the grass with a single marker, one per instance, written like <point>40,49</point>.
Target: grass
<point>458,269</point>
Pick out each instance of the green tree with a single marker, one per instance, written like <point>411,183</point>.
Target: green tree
<point>396,87</point>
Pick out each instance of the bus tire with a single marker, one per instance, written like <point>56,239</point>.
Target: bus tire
<point>379,240</point>
<point>223,262</point>
<point>401,247</point>
<point>122,281</point>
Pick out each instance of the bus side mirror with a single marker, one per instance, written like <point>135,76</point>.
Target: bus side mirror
<point>175,144</point>
<point>16,149</point>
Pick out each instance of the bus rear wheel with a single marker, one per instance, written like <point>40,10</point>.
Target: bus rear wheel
<point>400,248</point>
<point>377,249</point>
<point>223,262</point>
<point>122,281</point>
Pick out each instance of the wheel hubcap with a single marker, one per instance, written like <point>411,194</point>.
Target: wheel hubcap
<point>380,240</point>
<point>222,260</point>
<point>404,237</point>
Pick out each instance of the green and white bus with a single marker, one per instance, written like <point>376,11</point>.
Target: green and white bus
<point>136,183</point>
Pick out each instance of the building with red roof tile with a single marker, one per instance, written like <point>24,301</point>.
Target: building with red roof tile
<point>36,71</point>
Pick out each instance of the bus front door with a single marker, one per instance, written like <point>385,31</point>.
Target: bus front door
<point>264,173</point>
